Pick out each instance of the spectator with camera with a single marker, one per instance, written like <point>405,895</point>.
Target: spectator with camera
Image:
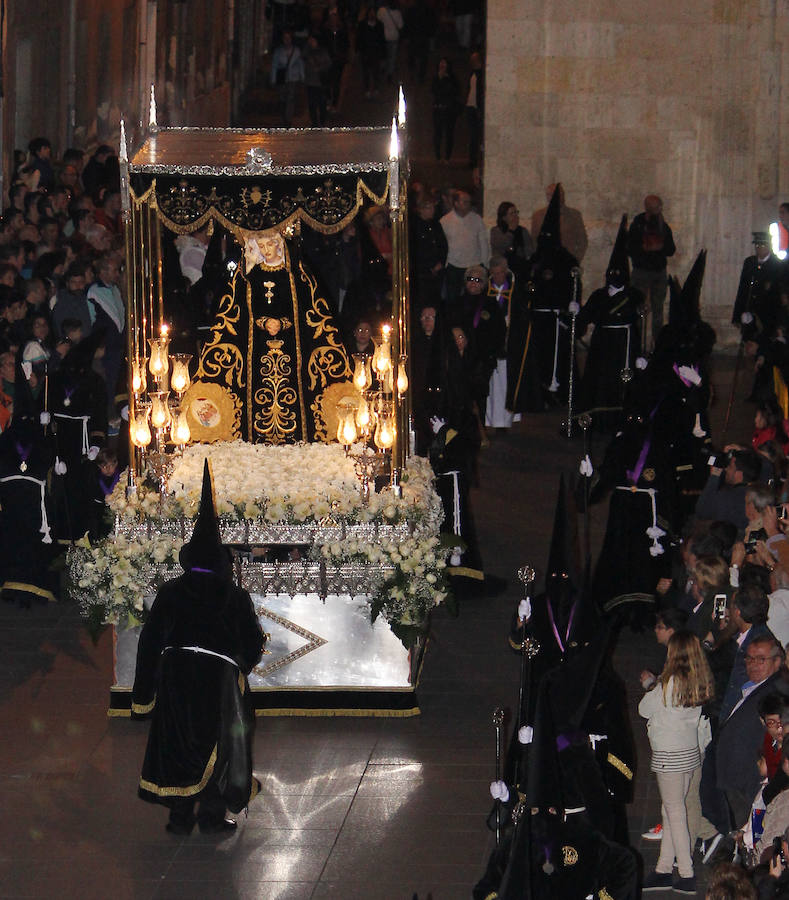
<point>748,613</point>
<point>724,498</point>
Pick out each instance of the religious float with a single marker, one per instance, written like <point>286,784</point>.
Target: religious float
<point>334,528</point>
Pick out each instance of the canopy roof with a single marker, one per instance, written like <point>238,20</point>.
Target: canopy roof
<point>240,152</point>
<point>253,180</point>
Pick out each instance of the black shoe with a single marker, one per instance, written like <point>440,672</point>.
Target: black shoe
<point>219,826</point>
<point>182,828</point>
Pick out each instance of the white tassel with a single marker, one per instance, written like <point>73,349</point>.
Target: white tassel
<point>60,466</point>
<point>93,452</point>
<point>574,308</point>
<point>656,550</point>
<point>554,386</point>
<point>524,609</point>
<point>698,431</point>
<point>454,560</point>
<point>655,532</point>
<point>44,418</point>
<point>586,467</point>
<point>746,318</point>
<point>641,363</point>
<point>525,734</point>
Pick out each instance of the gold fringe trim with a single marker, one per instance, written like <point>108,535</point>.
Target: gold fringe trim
<point>343,713</point>
<point>182,791</point>
<point>29,589</point>
<point>118,713</point>
<point>492,896</point>
<point>299,215</point>
<point>620,766</point>
<point>464,570</point>
<point>143,709</point>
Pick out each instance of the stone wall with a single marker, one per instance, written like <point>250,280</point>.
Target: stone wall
<point>620,98</point>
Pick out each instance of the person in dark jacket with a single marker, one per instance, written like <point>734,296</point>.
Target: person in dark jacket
<point>649,244</point>
<point>200,641</point>
<point>445,92</point>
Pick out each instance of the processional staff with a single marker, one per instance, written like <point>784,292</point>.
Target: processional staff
<point>574,308</point>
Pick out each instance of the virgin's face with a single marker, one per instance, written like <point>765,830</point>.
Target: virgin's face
<point>512,218</point>
<point>459,336</point>
<point>40,329</point>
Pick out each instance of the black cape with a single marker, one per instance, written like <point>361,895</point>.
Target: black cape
<point>203,718</point>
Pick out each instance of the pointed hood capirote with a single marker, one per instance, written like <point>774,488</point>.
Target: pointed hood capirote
<point>685,306</point>
<point>563,572</point>
<point>204,551</point>
<point>617,273</point>
<point>550,237</point>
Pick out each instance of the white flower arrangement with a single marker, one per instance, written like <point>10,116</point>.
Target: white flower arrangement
<point>296,484</point>
<point>110,580</point>
<point>405,597</point>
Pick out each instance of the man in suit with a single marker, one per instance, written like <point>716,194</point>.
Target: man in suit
<point>749,610</point>
<point>741,733</point>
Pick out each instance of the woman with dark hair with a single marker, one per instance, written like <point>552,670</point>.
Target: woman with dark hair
<point>509,238</point>
<point>445,91</point>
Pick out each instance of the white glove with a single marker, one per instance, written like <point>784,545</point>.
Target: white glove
<point>641,363</point>
<point>698,431</point>
<point>27,368</point>
<point>454,560</point>
<point>690,374</point>
<point>44,418</point>
<point>60,466</point>
<point>525,734</point>
<point>574,308</point>
<point>524,609</point>
<point>499,791</point>
<point>437,424</point>
<point>93,452</point>
<point>125,413</point>
<point>586,467</point>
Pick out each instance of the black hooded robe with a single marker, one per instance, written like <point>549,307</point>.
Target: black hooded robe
<point>203,720</point>
<point>613,348</point>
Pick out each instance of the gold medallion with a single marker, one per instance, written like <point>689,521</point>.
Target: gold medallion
<point>569,855</point>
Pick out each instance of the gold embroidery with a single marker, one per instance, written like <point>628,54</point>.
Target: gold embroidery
<point>569,855</point>
<point>183,211</point>
<point>276,420</point>
<point>222,359</point>
<point>604,895</point>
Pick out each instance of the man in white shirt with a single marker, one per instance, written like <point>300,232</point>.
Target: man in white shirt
<point>392,20</point>
<point>468,242</point>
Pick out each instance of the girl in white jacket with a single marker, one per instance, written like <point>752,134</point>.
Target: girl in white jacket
<point>672,709</point>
